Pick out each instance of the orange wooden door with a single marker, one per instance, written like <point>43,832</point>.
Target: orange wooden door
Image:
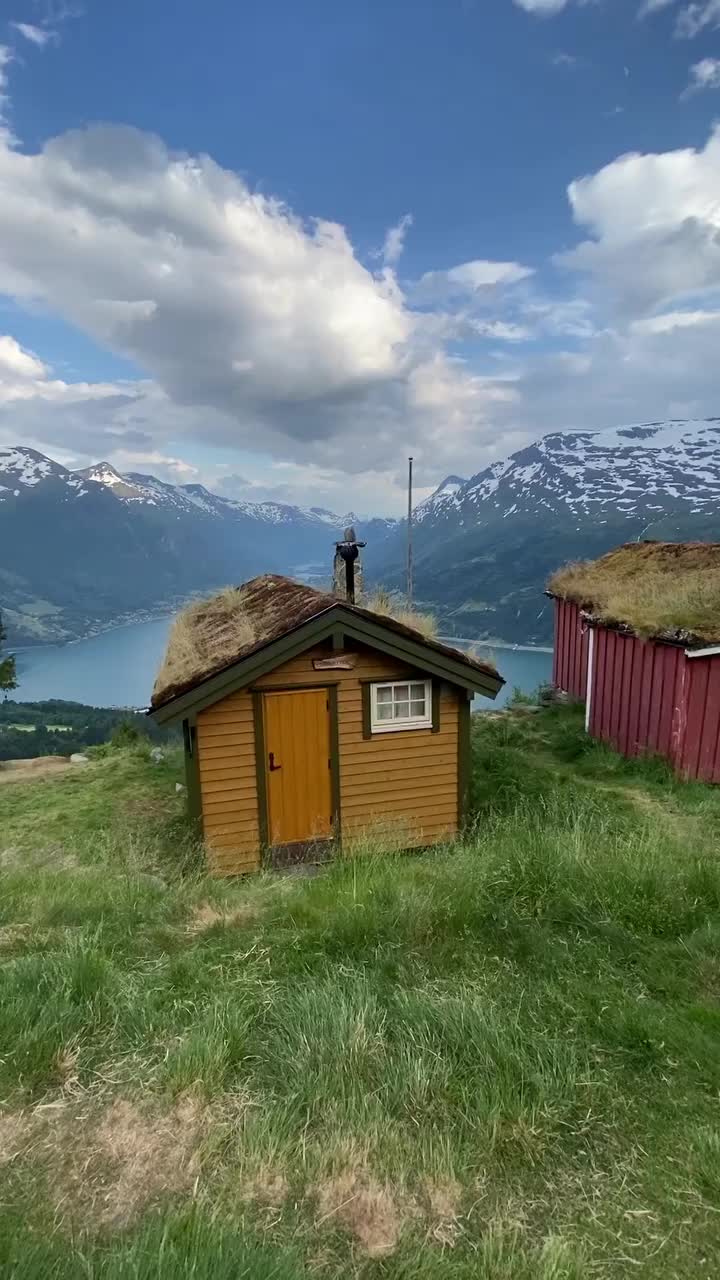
<point>298,767</point>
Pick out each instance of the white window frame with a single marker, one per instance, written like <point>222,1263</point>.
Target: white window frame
<point>399,726</point>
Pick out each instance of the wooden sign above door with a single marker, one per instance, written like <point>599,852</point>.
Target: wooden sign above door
<point>338,662</point>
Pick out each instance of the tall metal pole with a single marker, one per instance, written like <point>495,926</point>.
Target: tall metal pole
<point>409,536</point>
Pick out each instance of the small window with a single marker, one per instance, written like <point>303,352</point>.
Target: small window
<point>406,705</point>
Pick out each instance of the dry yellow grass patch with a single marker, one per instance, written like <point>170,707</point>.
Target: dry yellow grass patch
<point>443,1201</point>
<point>202,637</point>
<point>15,1128</point>
<point>141,1157</point>
<point>369,1210</point>
<point>104,1166</point>
<point>385,606</point>
<point>207,916</point>
<point>655,588</point>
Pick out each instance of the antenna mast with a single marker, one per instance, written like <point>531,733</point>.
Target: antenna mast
<point>409,535</point>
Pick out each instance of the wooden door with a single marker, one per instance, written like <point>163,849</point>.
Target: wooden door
<point>298,765</point>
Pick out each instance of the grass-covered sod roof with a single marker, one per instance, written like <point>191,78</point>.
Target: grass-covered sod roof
<point>211,635</point>
<point>667,590</point>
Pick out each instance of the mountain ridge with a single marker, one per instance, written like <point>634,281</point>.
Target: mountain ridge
<point>86,549</point>
<point>483,552</point>
<point>93,546</point>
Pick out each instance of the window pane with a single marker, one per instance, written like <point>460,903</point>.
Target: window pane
<point>417,708</point>
<point>384,711</point>
<point>384,693</point>
<point>417,691</point>
<point>401,692</point>
<point>402,710</point>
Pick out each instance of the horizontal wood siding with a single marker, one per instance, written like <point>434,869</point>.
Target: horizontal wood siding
<point>226,747</point>
<point>403,783</point>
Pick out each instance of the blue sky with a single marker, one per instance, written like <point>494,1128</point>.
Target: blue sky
<point>195,199</point>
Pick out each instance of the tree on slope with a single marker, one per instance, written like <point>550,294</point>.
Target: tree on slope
<point>8,675</point>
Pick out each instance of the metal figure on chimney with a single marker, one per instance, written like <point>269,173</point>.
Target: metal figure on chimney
<point>347,568</point>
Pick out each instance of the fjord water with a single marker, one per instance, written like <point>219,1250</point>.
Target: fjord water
<point>117,668</point>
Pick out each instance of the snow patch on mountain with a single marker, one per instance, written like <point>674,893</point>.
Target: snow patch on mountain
<point>587,471</point>
<point>25,466</point>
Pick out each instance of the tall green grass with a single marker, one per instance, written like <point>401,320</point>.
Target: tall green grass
<point>498,1059</point>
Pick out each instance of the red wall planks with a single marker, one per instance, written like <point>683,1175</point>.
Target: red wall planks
<point>646,697</point>
<point>700,754</point>
<point>570,651</point>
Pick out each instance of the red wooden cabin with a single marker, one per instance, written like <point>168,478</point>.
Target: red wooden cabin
<point>656,694</point>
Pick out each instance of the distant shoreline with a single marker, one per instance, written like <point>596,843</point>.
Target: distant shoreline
<point>497,644</point>
<point>168,610</point>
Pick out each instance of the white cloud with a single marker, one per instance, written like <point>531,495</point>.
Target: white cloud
<point>544,8</point>
<point>257,331</point>
<point>15,362</point>
<point>565,60</point>
<point>695,17</point>
<point>501,330</point>
<point>222,294</point>
<point>395,240</point>
<point>691,18</point>
<point>653,6</point>
<point>467,279</point>
<point>39,36</point>
<point>654,223</point>
<point>5,60</point>
<point>703,75</point>
<point>672,320</point>
<point>272,350</point>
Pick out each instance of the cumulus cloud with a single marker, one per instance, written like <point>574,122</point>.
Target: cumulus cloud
<point>265,338</point>
<point>654,225</point>
<point>257,330</point>
<point>220,293</point>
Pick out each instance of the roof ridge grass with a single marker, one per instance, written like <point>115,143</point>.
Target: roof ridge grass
<point>663,590</point>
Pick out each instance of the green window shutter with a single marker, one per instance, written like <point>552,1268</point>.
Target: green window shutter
<point>436,706</point>
<point>366,729</point>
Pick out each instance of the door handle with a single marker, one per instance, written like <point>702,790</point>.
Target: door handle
<point>273,766</point>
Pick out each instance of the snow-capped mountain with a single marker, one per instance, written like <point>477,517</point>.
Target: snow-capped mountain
<point>134,487</point>
<point>643,468</point>
<point>79,549</point>
<point>82,548</point>
<point>484,548</point>
<point>22,469</point>
<point>441,498</point>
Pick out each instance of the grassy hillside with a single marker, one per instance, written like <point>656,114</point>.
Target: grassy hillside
<point>500,1060</point>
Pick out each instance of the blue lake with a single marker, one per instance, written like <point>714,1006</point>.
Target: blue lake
<point>118,668</point>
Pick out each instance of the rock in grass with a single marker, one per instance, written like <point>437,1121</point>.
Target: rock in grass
<point>77,757</point>
<point>179,787</point>
<point>157,755</point>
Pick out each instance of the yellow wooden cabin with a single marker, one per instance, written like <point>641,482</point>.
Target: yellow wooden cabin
<point>308,720</point>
